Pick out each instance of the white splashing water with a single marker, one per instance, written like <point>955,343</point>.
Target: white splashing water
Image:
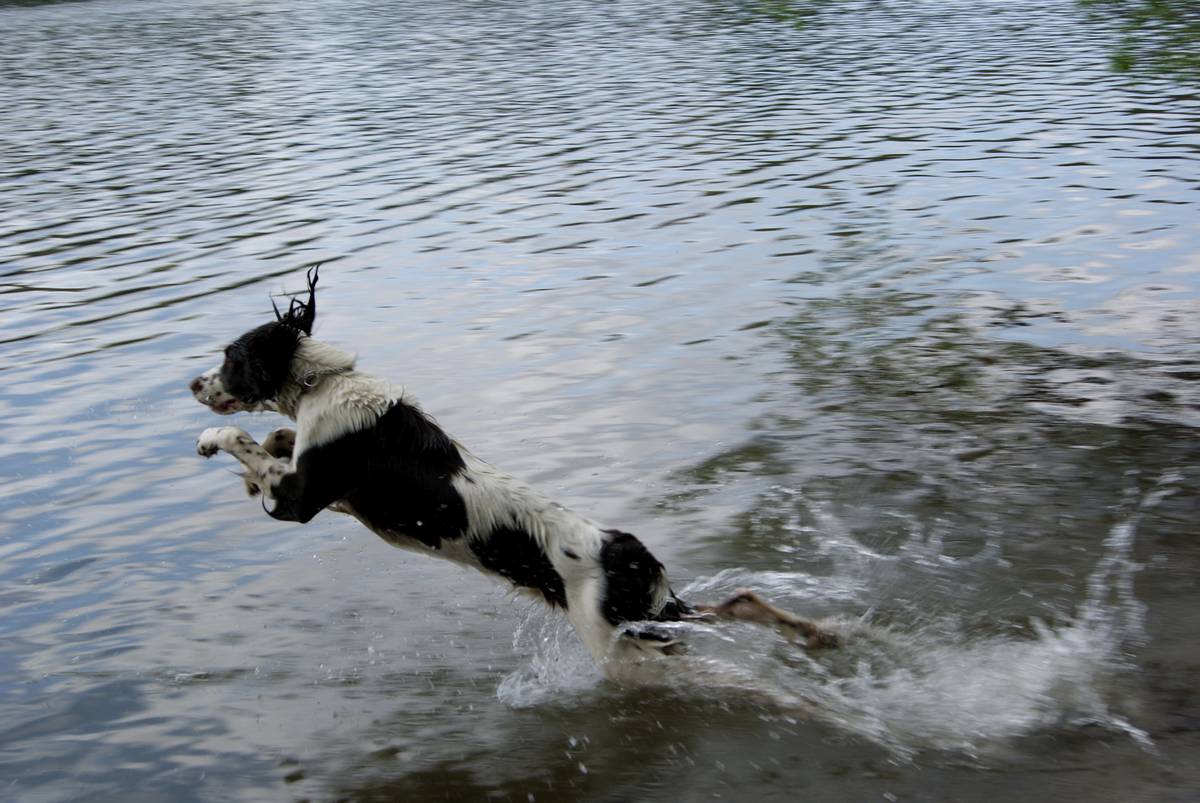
<point>559,667</point>
<point>926,689</point>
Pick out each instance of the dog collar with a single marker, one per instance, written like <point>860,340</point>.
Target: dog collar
<point>313,378</point>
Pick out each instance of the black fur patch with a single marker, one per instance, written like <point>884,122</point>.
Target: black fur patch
<point>396,475</point>
<point>516,554</point>
<point>632,575</point>
<point>302,314</point>
<point>256,364</point>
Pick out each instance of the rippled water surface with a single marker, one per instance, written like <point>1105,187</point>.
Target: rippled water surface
<point>887,310</point>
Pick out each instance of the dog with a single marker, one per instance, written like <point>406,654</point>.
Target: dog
<point>363,447</point>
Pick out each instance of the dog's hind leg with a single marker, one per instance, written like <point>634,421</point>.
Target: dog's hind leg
<point>747,606</point>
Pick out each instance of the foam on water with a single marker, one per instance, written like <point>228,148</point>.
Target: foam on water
<point>935,686</point>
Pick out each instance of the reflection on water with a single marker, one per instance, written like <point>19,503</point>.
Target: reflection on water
<point>1163,35</point>
<point>887,310</point>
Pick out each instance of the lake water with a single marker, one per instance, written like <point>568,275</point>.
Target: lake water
<point>885,309</point>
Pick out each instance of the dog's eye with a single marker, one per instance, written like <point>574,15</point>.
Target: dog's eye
<point>570,554</point>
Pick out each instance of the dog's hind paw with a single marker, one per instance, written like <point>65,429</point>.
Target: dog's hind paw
<point>652,641</point>
<point>806,633</point>
<point>821,640</point>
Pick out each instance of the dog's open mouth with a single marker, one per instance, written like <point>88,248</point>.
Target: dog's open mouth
<point>223,406</point>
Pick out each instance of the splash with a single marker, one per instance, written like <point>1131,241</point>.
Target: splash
<point>937,686</point>
<point>558,666</point>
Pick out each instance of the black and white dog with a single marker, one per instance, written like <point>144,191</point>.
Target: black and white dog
<point>363,447</point>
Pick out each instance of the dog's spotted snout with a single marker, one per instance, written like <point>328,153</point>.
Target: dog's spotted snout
<point>196,385</point>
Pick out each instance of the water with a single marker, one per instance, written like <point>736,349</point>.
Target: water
<point>885,310</point>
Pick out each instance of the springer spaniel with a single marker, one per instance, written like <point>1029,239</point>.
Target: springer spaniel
<point>363,447</point>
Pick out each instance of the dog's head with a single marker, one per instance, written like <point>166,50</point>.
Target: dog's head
<point>258,364</point>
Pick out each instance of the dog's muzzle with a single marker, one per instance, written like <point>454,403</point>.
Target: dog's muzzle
<point>208,391</point>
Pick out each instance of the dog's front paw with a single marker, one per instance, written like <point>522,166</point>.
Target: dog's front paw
<point>280,443</point>
<point>209,442</point>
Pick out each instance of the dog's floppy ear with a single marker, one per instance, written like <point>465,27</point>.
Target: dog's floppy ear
<point>256,364</point>
<point>300,314</point>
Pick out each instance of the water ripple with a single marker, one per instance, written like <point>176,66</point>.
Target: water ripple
<point>929,265</point>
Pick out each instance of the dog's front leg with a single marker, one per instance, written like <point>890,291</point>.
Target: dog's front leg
<point>279,443</point>
<point>299,493</point>
<point>263,470</point>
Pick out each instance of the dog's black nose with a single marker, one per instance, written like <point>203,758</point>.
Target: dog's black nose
<point>196,385</point>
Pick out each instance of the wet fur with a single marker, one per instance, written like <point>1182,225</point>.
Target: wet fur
<point>365,448</point>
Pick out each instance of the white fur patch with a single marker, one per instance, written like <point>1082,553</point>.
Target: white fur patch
<point>497,500</point>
